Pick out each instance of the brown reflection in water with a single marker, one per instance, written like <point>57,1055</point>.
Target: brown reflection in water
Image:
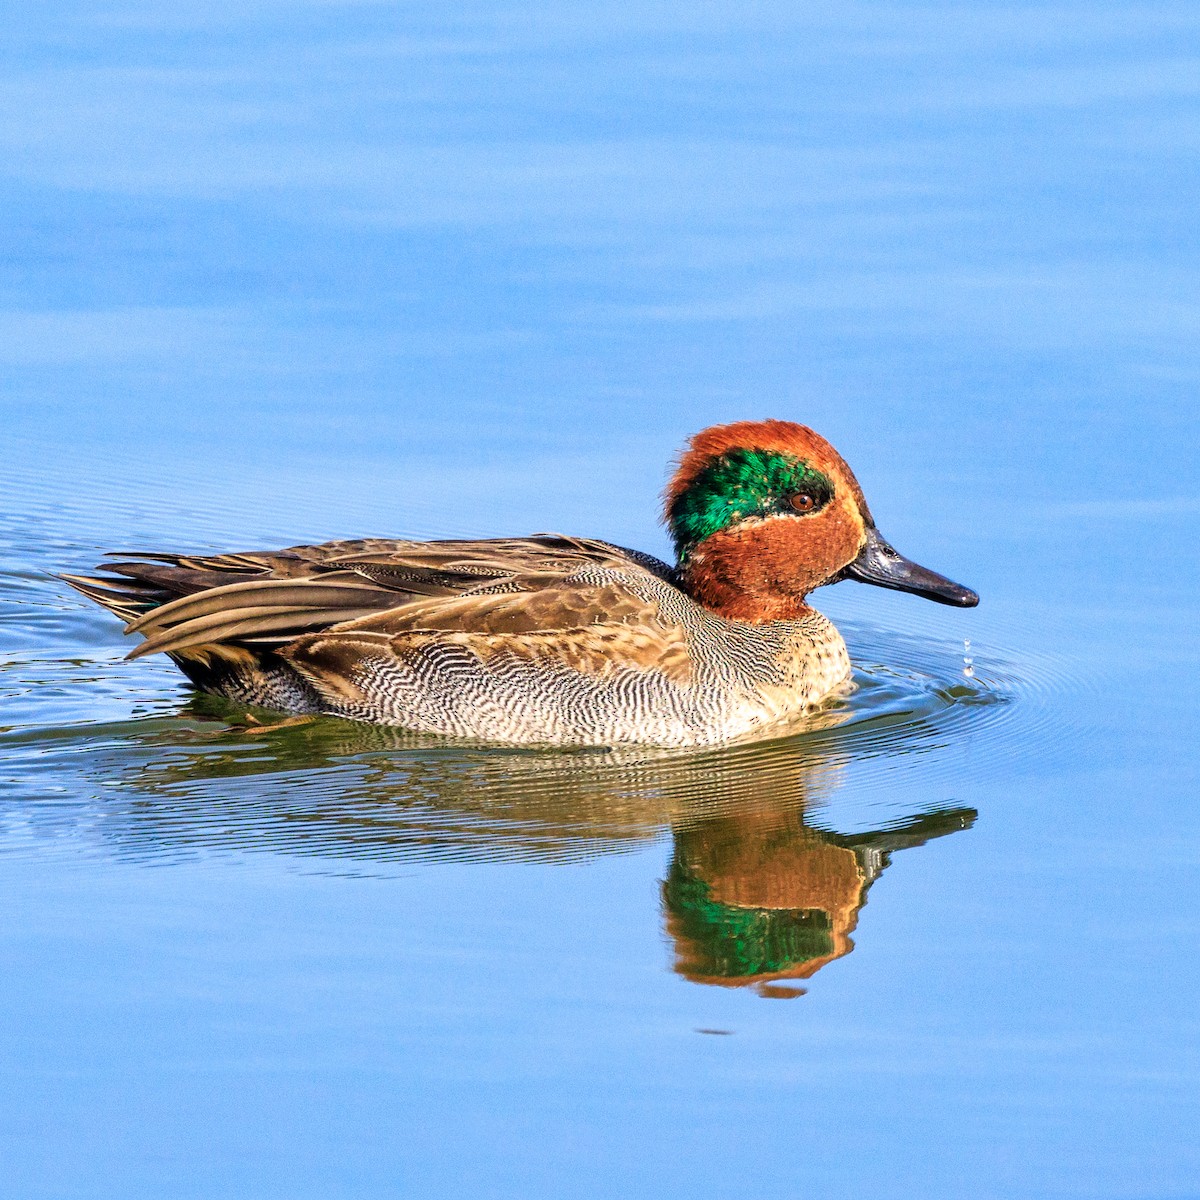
<point>760,898</point>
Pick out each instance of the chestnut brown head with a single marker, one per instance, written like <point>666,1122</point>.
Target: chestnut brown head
<point>763,512</point>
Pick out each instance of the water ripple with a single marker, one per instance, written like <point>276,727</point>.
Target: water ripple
<point>100,752</point>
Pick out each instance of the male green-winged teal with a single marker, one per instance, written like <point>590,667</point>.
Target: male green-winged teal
<point>548,638</point>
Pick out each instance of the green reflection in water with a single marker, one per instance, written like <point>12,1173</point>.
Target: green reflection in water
<point>760,897</point>
<point>736,943</point>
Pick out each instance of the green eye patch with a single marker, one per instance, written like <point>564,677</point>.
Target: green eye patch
<point>740,485</point>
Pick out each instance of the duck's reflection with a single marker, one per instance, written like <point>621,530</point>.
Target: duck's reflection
<point>755,892</point>
<point>760,898</point>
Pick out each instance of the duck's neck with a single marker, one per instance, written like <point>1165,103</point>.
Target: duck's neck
<point>738,594</point>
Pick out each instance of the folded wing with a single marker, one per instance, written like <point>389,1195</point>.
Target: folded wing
<point>376,588</point>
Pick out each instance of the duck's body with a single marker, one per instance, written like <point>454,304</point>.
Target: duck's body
<point>546,639</point>
<point>550,638</point>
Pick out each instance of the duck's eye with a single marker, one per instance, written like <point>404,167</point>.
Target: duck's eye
<point>803,502</point>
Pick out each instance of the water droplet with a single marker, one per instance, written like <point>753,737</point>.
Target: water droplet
<point>968,661</point>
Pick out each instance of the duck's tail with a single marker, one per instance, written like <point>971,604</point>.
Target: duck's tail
<point>221,619</point>
<point>124,598</point>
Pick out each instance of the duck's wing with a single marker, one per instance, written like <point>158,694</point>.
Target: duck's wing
<point>543,626</point>
<point>267,599</point>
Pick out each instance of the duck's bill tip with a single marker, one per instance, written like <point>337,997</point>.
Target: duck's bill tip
<point>879,564</point>
<point>955,594</point>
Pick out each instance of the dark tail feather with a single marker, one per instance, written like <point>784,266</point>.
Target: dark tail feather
<point>127,599</point>
<point>179,609</point>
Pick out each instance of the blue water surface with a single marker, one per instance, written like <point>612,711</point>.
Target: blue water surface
<point>280,272</point>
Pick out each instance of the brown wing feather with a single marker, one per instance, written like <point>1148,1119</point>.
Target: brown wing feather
<point>544,604</point>
<point>243,624</point>
<point>183,601</point>
<point>327,590</point>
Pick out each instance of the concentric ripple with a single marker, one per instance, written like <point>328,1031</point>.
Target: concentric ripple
<point>912,687</point>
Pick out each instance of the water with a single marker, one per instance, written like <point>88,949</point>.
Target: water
<point>290,272</point>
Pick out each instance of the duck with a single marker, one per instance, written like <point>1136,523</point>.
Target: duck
<point>547,639</point>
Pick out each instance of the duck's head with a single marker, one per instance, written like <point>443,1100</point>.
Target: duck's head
<point>763,512</point>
